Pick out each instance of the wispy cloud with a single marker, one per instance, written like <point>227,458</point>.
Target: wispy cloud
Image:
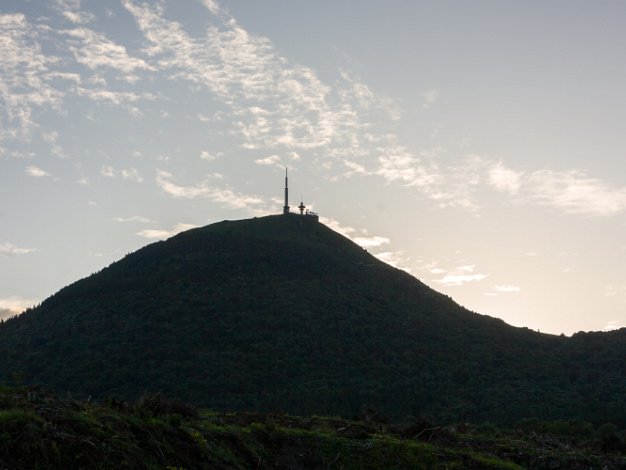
<point>452,186</point>
<point>570,191</point>
<point>212,6</point>
<point>79,17</point>
<point>118,98</point>
<point>162,234</point>
<point>507,288</point>
<point>364,96</point>
<point>503,289</point>
<point>461,275</point>
<point>208,156</point>
<point>338,227</point>
<point>271,160</point>
<point>399,164</point>
<point>274,107</point>
<point>225,197</point>
<point>273,103</point>
<point>574,192</point>
<point>101,62</point>
<point>72,77</point>
<point>135,218</point>
<point>131,174</point>
<point>94,50</point>
<point>36,172</point>
<point>504,179</point>
<point>70,9</point>
<point>10,249</point>
<point>52,138</point>
<point>395,259</point>
<point>11,306</point>
<point>371,242</point>
<point>361,238</point>
<point>23,71</point>
<point>614,325</point>
<point>107,171</point>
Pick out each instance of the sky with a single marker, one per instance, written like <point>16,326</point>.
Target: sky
<point>478,145</point>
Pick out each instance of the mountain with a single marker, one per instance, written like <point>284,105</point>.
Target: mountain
<point>282,313</point>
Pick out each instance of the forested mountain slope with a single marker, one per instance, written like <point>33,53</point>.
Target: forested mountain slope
<point>281,312</point>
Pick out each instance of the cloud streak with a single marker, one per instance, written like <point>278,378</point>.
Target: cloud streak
<point>504,179</point>
<point>460,276</point>
<point>10,249</point>
<point>11,306</point>
<point>278,106</point>
<point>507,288</point>
<point>273,104</point>
<point>23,68</point>
<point>36,172</point>
<point>569,191</point>
<point>95,51</point>
<point>574,192</point>
<point>272,160</point>
<point>131,174</point>
<point>70,9</point>
<point>371,242</point>
<point>613,325</point>
<point>163,234</point>
<point>225,197</point>
<point>135,218</point>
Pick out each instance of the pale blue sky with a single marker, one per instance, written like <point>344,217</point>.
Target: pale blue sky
<point>479,145</point>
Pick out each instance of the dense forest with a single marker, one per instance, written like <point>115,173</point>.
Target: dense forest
<point>282,313</point>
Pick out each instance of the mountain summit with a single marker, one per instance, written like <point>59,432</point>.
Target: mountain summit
<point>281,312</point>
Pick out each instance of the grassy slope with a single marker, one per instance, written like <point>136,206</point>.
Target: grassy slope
<point>39,430</point>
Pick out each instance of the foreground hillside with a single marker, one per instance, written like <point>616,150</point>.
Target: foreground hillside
<point>281,312</point>
<point>41,431</point>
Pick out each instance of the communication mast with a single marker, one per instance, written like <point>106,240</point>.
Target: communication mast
<point>286,206</point>
<point>306,214</point>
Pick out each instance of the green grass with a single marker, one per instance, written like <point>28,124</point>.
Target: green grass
<point>40,431</point>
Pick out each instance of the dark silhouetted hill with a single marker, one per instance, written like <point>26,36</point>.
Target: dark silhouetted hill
<point>282,313</point>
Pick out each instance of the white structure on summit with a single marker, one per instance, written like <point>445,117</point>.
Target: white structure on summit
<point>302,207</point>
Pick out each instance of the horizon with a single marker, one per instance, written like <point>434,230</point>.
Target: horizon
<point>478,147</point>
